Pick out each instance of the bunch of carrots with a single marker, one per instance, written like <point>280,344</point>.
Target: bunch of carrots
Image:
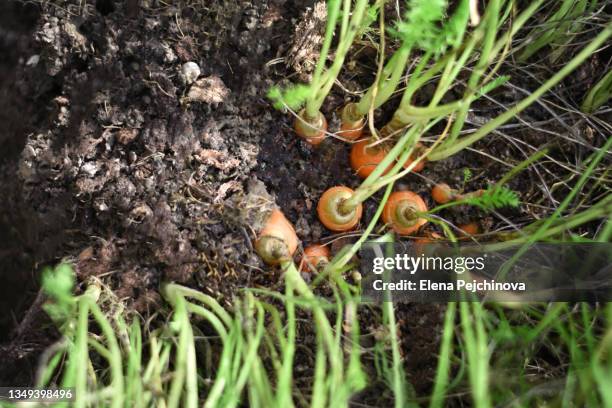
<point>445,48</point>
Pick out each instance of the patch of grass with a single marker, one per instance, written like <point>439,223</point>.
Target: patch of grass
<point>207,356</point>
<point>111,363</point>
<point>599,94</point>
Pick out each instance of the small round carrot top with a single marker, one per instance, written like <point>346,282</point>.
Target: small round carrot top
<point>401,212</point>
<point>277,241</point>
<point>330,213</point>
<point>442,193</point>
<point>365,158</point>
<point>312,130</point>
<point>314,255</point>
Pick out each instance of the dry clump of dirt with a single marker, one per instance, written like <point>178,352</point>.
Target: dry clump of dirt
<point>307,39</point>
<point>137,173</point>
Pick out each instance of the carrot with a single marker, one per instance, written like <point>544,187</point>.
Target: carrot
<point>429,238</point>
<point>277,241</point>
<point>364,158</point>
<point>330,212</point>
<point>442,193</point>
<point>418,167</point>
<point>471,228</point>
<point>351,131</point>
<point>314,256</point>
<point>311,129</point>
<point>401,210</point>
<point>351,126</point>
<point>415,154</point>
<point>423,245</point>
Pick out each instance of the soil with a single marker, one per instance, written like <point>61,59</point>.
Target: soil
<point>113,159</point>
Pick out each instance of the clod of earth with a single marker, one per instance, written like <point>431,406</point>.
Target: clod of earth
<point>190,71</point>
<point>207,90</point>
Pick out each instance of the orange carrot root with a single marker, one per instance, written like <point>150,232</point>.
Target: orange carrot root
<point>401,210</point>
<point>314,256</point>
<point>311,130</point>
<point>277,241</point>
<point>364,159</point>
<point>352,125</point>
<point>415,155</point>
<point>471,228</point>
<point>442,193</point>
<point>350,131</point>
<point>329,212</point>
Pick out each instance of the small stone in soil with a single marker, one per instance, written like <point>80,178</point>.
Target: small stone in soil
<point>190,71</point>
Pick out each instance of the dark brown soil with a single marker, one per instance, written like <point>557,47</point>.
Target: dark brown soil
<point>108,159</point>
<point>18,285</point>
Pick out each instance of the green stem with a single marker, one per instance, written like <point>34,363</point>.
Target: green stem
<point>444,152</point>
<point>598,95</point>
<point>476,347</point>
<point>286,371</point>
<point>292,274</point>
<point>211,317</point>
<point>398,376</point>
<point>250,357</point>
<point>333,10</point>
<point>490,25</point>
<point>313,105</point>
<point>410,114</point>
<point>546,34</point>
<point>115,358</point>
<point>322,323</point>
<point>185,374</point>
<point>443,370</point>
<point>172,290</point>
<point>521,166</point>
<point>79,359</point>
<point>387,84</point>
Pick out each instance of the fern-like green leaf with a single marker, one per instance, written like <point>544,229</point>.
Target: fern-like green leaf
<point>467,175</point>
<point>423,25</point>
<point>58,284</point>
<point>454,29</point>
<point>292,97</point>
<point>494,198</point>
<point>420,26</point>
